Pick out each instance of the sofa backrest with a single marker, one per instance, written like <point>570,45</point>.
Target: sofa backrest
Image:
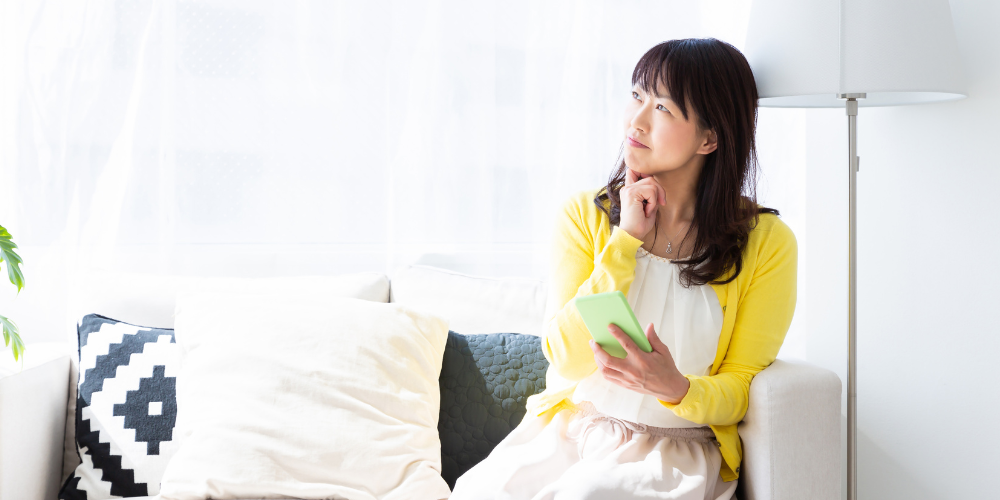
<point>472,304</point>
<point>149,300</point>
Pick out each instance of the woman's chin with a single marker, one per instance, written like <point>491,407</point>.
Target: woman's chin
<point>634,163</point>
<point>639,169</point>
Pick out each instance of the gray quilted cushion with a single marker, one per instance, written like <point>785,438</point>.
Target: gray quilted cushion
<point>485,382</point>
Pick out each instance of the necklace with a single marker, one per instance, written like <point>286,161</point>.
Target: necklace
<point>670,241</point>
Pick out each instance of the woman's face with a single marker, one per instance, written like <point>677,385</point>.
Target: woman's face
<point>658,138</point>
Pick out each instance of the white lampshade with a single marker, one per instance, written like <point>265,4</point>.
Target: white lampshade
<point>805,52</point>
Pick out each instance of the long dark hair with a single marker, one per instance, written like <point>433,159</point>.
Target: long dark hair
<point>717,81</point>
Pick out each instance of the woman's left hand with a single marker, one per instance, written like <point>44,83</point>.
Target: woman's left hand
<point>653,373</point>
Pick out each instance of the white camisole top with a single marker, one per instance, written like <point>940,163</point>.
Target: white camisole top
<point>687,320</point>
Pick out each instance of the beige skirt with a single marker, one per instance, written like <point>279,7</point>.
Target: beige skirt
<point>583,454</point>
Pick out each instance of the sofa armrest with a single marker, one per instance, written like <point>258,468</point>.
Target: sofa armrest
<point>32,421</point>
<point>791,434</point>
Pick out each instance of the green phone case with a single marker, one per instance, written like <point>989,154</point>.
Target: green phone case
<point>602,309</point>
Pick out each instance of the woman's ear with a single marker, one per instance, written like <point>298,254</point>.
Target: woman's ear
<point>711,142</point>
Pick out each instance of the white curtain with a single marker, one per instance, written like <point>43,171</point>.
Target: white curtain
<point>263,138</point>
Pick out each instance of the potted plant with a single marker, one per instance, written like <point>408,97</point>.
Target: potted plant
<point>10,333</point>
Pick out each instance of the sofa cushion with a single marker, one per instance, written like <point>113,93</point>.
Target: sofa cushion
<point>125,410</point>
<point>472,304</point>
<point>147,299</point>
<point>306,396</point>
<point>485,381</point>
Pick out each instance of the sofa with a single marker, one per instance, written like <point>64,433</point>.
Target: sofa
<point>791,431</point>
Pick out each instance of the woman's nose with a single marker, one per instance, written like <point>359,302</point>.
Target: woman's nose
<point>639,119</point>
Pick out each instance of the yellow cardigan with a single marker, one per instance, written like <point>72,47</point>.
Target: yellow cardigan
<point>589,256</point>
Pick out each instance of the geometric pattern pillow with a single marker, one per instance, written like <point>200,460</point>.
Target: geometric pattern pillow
<point>126,408</point>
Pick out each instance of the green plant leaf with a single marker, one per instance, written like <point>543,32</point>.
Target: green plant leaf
<point>8,254</point>
<point>11,336</point>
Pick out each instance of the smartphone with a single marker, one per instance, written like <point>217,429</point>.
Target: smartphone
<point>602,309</point>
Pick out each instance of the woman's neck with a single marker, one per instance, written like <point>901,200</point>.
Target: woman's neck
<point>680,186</point>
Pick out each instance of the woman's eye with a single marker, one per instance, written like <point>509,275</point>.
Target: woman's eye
<point>662,108</point>
<point>635,95</point>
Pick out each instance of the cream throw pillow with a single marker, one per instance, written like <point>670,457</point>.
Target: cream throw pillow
<point>306,397</point>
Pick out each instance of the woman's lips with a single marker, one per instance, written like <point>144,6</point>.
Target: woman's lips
<point>636,144</point>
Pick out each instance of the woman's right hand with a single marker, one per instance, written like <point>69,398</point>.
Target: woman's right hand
<point>637,217</point>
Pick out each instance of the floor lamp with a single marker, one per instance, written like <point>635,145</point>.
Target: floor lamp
<point>851,53</point>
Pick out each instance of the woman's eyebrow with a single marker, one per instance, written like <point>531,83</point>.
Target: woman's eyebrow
<point>663,96</point>
<point>657,95</point>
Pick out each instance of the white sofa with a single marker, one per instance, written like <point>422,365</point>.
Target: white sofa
<point>791,432</point>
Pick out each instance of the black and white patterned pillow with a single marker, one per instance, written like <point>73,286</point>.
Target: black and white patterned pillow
<point>126,407</point>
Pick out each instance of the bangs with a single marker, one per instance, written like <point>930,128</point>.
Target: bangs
<point>663,66</point>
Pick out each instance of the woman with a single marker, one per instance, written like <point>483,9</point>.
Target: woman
<point>716,303</point>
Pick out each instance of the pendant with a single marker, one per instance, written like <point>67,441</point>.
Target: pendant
<point>668,247</point>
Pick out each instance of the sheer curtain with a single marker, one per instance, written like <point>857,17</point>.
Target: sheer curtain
<point>264,138</point>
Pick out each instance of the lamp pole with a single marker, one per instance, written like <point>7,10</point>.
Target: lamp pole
<point>818,54</point>
<point>852,297</point>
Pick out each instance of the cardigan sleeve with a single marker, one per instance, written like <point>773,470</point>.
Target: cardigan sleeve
<point>762,320</point>
<point>575,272</point>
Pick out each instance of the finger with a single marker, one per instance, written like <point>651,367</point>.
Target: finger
<point>659,194</point>
<point>604,359</point>
<point>654,339</point>
<point>601,367</point>
<point>631,176</point>
<point>656,194</point>
<point>608,371</point>
<point>600,355</point>
<point>613,375</point>
<point>641,195</point>
<point>624,340</point>
<point>647,196</point>
<point>657,344</point>
<point>594,346</point>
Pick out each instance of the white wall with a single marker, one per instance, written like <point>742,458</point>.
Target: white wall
<point>928,232</point>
